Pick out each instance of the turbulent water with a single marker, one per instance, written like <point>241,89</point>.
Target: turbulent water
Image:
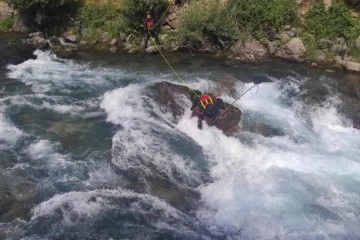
<point>86,154</point>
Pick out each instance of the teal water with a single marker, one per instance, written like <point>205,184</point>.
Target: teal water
<point>86,153</point>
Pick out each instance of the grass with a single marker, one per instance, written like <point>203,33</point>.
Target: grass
<point>6,24</point>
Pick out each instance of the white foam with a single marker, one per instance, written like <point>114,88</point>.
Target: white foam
<point>48,73</point>
<point>253,198</point>
<point>74,205</point>
<point>9,134</point>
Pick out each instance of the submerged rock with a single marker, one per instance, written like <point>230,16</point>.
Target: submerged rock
<point>174,99</point>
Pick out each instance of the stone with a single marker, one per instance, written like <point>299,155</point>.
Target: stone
<point>287,28</point>
<point>128,38</point>
<point>325,43</point>
<point>113,49</point>
<point>166,27</point>
<point>293,51</point>
<point>128,47</point>
<point>272,47</point>
<point>251,51</point>
<point>352,66</point>
<point>151,49</point>
<point>320,57</point>
<point>172,17</point>
<point>314,64</point>
<point>36,34</point>
<point>54,41</point>
<point>283,37</point>
<point>5,11</point>
<point>122,36</point>
<point>357,43</point>
<point>106,37</point>
<point>173,24</point>
<point>83,43</point>
<point>71,38</point>
<point>114,41</point>
<point>174,99</point>
<point>339,49</point>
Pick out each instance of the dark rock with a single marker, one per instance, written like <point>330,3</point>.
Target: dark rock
<point>172,99</point>
<point>293,51</point>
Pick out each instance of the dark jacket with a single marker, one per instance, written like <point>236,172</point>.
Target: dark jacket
<point>211,110</point>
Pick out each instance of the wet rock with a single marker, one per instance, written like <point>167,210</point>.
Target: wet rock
<point>251,51</point>
<point>173,99</point>
<point>293,51</point>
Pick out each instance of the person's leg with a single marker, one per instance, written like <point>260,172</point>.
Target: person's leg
<point>147,36</point>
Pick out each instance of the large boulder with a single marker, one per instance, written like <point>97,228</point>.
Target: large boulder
<point>250,51</point>
<point>293,51</point>
<point>174,99</point>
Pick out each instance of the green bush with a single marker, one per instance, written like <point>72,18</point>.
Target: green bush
<point>206,24</point>
<point>6,24</point>
<point>260,16</point>
<point>332,23</point>
<point>237,19</point>
<point>108,18</point>
<point>50,16</point>
<point>134,12</point>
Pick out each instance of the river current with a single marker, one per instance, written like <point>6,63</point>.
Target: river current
<point>86,154</point>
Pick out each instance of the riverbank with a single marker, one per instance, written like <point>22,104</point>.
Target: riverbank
<point>98,24</point>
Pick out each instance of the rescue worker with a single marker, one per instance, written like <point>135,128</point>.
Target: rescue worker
<point>210,106</point>
<point>149,29</point>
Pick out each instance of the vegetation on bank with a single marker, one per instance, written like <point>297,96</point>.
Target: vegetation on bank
<point>204,23</point>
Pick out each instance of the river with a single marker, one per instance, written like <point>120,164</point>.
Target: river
<point>86,154</point>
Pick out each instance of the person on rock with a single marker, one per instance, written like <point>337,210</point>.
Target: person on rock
<point>210,106</point>
<point>149,29</point>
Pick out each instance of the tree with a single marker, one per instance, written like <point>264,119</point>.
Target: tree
<point>51,16</point>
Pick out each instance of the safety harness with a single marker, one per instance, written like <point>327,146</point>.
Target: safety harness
<point>206,99</point>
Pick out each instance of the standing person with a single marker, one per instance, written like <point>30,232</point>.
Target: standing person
<point>149,29</point>
<point>210,107</point>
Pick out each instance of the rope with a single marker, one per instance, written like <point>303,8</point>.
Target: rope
<point>256,85</point>
<point>168,63</point>
<point>162,55</point>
